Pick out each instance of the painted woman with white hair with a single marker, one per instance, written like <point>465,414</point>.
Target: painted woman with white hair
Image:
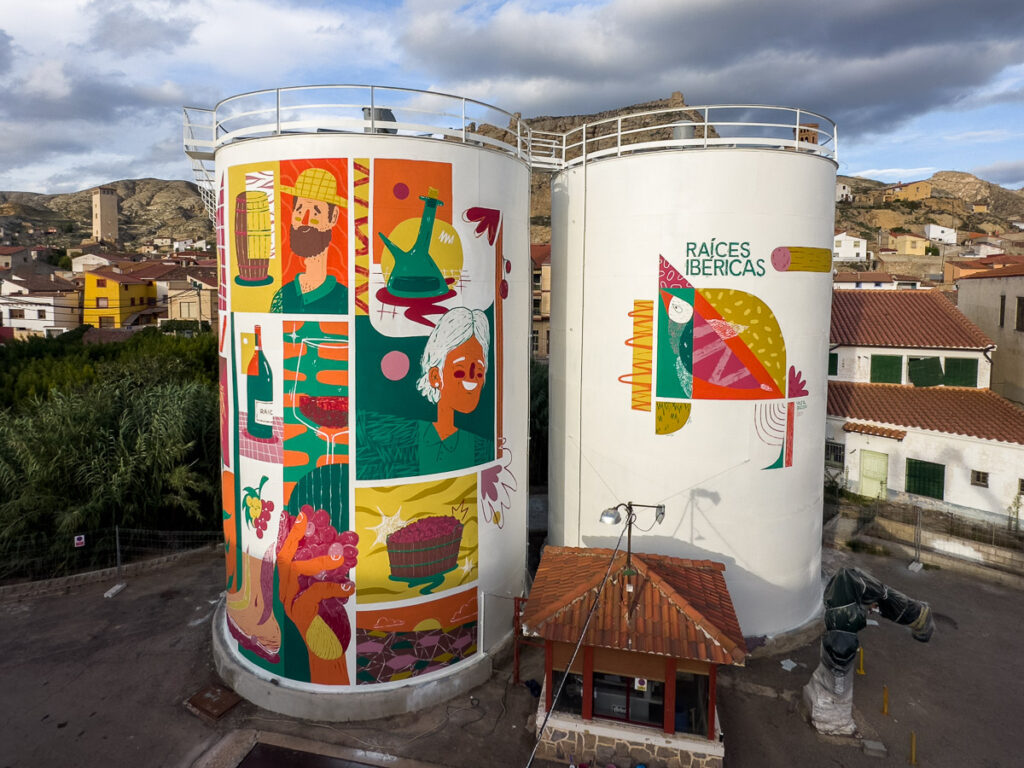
<point>453,372</point>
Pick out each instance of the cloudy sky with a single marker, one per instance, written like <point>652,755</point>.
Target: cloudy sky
<point>91,91</point>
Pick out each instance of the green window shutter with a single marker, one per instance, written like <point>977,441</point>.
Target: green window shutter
<point>886,369</point>
<point>925,478</point>
<point>833,363</point>
<point>961,372</point>
<point>924,371</point>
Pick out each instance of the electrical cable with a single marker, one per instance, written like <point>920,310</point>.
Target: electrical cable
<point>576,650</point>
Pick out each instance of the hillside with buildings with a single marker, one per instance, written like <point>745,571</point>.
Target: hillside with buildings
<point>147,209</point>
<point>950,199</point>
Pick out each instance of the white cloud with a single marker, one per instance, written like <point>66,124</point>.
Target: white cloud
<point>47,80</point>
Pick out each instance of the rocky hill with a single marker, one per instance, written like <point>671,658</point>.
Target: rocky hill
<point>147,208</point>
<point>953,195</point>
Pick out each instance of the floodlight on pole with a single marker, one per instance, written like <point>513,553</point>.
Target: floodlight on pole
<point>612,516</point>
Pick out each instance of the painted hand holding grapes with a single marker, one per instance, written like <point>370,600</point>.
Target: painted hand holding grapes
<point>313,562</point>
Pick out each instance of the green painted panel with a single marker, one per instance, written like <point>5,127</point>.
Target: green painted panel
<point>961,372</point>
<point>886,369</point>
<point>926,478</point>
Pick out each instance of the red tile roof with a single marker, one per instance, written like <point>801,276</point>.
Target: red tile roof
<point>922,319</point>
<point>874,429</point>
<point>118,277</point>
<point>540,254</point>
<point>862,277</point>
<point>8,250</point>
<point>977,413</point>
<point>1017,270</point>
<point>678,608</point>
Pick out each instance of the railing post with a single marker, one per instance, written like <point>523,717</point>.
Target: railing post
<point>796,134</point>
<point>277,95</point>
<point>373,113</point>
<point>463,120</point>
<point>707,121</point>
<point>618,137</point>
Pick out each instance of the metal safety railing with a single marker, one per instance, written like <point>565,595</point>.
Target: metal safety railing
<point>421,114</point>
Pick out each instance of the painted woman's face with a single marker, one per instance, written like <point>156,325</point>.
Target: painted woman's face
<point>463,375</point>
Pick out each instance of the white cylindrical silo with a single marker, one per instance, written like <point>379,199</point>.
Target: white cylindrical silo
<point>375,287</point>
<point>691,293</point>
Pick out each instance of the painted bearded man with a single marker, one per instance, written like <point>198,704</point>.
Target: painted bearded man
<point>316,210</point>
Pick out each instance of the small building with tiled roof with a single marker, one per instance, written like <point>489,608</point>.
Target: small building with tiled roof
<point>994,299</point>
<point>633,645</point>
<point>905,337</point>
<point>849,248</point>
<point>957,449</point>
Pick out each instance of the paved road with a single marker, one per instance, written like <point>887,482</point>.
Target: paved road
<point>960,693</point>
<point>89,681</point>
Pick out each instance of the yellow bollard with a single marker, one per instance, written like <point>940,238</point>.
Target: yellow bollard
<point>913,748</point>
<point>860,666</point>
<point>885,699</point>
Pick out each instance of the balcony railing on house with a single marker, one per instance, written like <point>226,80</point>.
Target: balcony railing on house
<point>443,117</point>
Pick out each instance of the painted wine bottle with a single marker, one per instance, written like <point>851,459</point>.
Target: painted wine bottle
<point>260,393</point>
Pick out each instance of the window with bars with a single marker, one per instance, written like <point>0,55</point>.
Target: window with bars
<point>979,478</point>
<point>835,454</point>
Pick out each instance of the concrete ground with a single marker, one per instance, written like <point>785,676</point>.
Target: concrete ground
<point>95,681</point>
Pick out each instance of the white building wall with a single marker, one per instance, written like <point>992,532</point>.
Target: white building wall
<point>979,298</point>
<point>88,262</point>
<point>60,311</point>
<point>620,216</point>
<point>854,363</point>
<point>1004,463</point>
<point>848,248</point>
<point>937,234</point>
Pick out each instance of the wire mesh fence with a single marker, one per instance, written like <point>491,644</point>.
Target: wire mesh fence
<point>997,533</point>
<point>42,556</point>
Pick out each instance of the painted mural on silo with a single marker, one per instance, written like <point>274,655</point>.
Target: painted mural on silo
<point>362,435</point>
<point>695,363</point>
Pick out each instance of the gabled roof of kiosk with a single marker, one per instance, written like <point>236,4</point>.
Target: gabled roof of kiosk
<point>678,608</point>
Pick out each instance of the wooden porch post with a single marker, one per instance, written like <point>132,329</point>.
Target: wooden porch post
<point>588,682</point>
<point>549,664</point>
<point>670,695</point>
<point>712,683</point>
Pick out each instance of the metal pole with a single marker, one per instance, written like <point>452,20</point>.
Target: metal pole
<point>277,94</point>
<point>117,546</point>
<point>373,113</point>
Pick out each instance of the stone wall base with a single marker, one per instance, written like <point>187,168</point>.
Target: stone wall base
<point>601,743</point>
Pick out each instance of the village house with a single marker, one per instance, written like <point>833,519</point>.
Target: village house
<point>939,234</point>
<point>194,297</point>
<point>906,244</point>
<point>846,247</point>
<point>12,256</point>
<point>911,191</point>
<point>38,305</point>
<point>910,416</point>
<point>117,299</point>
<point>954,449</point>
<point>916,338</point>
<point>994,299</point>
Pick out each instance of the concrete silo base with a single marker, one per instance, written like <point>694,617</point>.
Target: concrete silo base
<point>354,703</point>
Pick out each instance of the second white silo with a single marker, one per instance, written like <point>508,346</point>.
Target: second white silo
<point>690,310</point>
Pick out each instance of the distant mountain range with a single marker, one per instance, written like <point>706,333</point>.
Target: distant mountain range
<point>150,208</point>
<point>147,208</point>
